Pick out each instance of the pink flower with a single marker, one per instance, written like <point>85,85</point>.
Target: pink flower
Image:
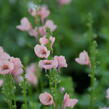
<point>46,99</point>
<point>41,51</point>
<point>43,12</point>
<point>107,93</point>
<point>6,67</point>
<point>68,102</point>
<point>18,70</point>
<point>25,25</point>
<point>64,2</point>
<point>83,58</point>
<point>61,61</point>
<point>50,25</point>
<point>1,83</point>
<point>43,41</point>
<point>42,31</point>
<point>30,74</point>
<point>48,64</point>
<point>33,32</point>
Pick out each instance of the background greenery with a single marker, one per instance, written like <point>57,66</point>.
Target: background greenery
<point>71,38</point>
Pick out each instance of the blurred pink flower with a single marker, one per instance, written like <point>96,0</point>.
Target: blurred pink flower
<point>83,59</point>
<point>25,25</point>
<point>18,70</point>
<point>43,12</point>
<point>30,74</point>
<point>68,102</point>
<point>41,51</point>
<point>42,31</point>
<point>1,82</point>
<point>6,67</point>
<point>33,32</point>
<point>107,93</point>
<point>50,25</point>
<point>46,99</point>
<point>64,2</point>
<point>48,64</point>
<point>61,61</point>
<point>43,40</point>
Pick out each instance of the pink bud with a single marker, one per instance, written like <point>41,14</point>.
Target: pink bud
<point>41,51</point>
<point>46,99</point>
<point>83,58</point>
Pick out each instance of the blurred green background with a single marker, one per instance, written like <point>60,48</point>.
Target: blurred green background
<point>71,35</point>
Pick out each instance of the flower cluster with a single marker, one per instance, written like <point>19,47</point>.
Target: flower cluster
<point>47,99</point>
<point>10,65</point>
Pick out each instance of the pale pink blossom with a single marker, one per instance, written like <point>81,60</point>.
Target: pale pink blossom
<point>30,74</point>
<point>46,99</point>
<point>83,58</point>
<point>43,40</point>
<point>41,51</point>
<point>64,2</point>
<point>6,67</point>
<point>48,64</point>
<point>42,30</point>
<point>18,70</point>
<point>33,32</point>
<point>50,25</point>
<point>1,82</point>
<point>43,12</point>
<point>68,102</point>
<point>61,61</point>
<point>107,93</point>
<point>25,25</point>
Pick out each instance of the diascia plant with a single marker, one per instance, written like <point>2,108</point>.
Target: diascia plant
<point>12,69</point>
<point>44,50</point>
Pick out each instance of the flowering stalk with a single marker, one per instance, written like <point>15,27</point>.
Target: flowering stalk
<point>93,52</point>
<point>24,92</point>
<point>9,91</point>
